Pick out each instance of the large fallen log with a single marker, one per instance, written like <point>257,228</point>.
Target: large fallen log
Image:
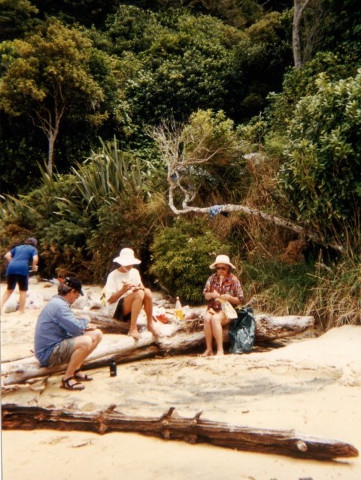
<point>268,327</point>
<point>172,427</point>
<point>120,348</point>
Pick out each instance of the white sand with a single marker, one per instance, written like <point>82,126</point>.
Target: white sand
<point>312,386</point>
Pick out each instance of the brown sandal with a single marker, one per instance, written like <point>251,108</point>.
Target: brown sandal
<point>74,386</point>
<point>83,378</point>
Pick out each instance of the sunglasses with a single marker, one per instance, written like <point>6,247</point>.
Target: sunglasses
<point>221,268</point>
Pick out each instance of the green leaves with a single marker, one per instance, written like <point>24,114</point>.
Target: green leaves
<point>48,77</point>
<point>182,254</point>
<point>321,173</point>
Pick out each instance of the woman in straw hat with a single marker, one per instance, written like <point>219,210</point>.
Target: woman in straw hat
<point>126,295</point>
<point>221,286</point>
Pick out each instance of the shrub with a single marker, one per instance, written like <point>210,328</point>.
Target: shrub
<point>182,254</point>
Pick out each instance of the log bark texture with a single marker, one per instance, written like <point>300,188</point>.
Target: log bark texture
<point>172,427</point>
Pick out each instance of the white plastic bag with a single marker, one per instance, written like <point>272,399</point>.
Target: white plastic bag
<point>228,310</point>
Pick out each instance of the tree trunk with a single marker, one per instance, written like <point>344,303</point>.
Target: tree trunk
<point>268,327</point>
<point>298,9</point>
<point>123,348</point>
<point>172,427</point>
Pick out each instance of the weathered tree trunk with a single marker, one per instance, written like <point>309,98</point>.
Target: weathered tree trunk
<point>298,9</point>
<point>268,327</point>
<point>172,427</point>
<point>120,348</point>
<point>123,348</point>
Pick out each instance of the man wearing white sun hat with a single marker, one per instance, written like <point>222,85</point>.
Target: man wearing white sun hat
<point>126,295</point>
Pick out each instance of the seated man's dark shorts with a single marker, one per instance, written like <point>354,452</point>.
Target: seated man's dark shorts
<point>13,279</point>
<point>62,352</point>
<point>119,315</point>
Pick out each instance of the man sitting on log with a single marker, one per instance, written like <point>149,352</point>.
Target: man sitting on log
<point>126,295</point>
<point>60,337</point>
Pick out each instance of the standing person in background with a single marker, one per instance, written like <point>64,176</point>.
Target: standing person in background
<point>126,295</point>
<point>222,285</point>
<point>17,271</point>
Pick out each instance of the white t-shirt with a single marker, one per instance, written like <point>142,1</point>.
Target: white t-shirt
<point>115,282</point>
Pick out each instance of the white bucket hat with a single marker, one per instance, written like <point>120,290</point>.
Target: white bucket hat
<point>222,259</point>
<point>126,257</point>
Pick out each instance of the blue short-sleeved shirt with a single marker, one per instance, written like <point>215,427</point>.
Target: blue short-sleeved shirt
<point>21,257</point>
<point>56,323</point>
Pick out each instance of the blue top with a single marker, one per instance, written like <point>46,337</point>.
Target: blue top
<point>21,256</point>
<point>56,323</point>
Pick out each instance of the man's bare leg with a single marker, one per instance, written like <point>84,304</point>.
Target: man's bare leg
<point>95,336</point>
<point>83,345</point>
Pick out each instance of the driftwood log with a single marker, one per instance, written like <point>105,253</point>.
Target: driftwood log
<point>186,337</point>
<point>172,427</point>
<point>120,348</point>
<point>268,327</point>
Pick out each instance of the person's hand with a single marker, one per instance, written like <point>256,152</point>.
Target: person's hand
<point>127,286</point>
<point>215,294</point>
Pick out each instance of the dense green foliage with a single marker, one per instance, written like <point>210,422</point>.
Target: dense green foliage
<point>321,173</point>
<point>132,100</point>
<point>182,255</point>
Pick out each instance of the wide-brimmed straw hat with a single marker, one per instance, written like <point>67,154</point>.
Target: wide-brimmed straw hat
<point>222,259</point>
<point>126,257</point>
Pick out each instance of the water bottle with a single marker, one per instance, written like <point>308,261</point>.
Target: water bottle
<point>113,368</point>
<point>178,310</point>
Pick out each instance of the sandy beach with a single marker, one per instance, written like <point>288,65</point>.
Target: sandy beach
<point>312,386</point>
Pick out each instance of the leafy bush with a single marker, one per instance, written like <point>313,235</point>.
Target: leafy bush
<point>182,254</point>
<point>83,219</point>
<point>321,173</point>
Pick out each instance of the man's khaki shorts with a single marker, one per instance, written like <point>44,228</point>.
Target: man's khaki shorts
<point>62,352</point>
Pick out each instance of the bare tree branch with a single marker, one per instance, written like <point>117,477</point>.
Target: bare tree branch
<point>169,140</point>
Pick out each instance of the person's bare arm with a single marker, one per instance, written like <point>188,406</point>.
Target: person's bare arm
<point>115,297</point>
<point>8,256</point>
<point>35,263</point>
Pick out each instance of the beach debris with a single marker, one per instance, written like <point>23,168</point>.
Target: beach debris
<point>171,426</point>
